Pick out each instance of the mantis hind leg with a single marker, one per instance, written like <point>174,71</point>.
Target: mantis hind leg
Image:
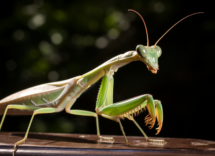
<point>20,107</point>
<point>36,111</point>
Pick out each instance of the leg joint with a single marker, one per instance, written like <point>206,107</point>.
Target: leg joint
<point>149,95</point>
<point>67,110</point>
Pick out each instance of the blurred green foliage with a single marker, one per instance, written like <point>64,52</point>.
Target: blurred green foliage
<point>43,41</point>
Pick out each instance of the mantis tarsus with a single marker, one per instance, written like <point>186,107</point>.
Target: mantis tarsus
<point>56,96</point>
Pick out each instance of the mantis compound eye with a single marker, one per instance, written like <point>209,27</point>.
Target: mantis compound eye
<point>158,50</point>
<point>141,50</point>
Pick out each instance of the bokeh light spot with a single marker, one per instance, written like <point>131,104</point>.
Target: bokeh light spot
<point>101,42</point>
<point>36,21</point>
<point>56,38</point>
<point>117,16</point>
<point>46,48</point>
<point>113,33</point>
<point>124,25</point>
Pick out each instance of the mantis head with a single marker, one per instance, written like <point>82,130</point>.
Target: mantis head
<point>149,56</point>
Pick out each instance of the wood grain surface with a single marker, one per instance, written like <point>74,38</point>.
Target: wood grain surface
<point>57,144</point>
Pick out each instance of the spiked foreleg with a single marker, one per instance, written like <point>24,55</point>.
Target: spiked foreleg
<point>105,98</point>
<point>159,114</point>
<point>131,107</point>
<point>105,95</point>
<point>150,118</point>
<point>124,109</point>
<point>128,108</point>
<point>155,111</point>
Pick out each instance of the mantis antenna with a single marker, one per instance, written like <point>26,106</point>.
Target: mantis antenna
<point>175,25</point>
<point>144,25</point>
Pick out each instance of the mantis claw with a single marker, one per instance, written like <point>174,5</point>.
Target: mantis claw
<point>157,141</point>
<point>106,139</point>
<point>15,149</point>
<point>129,144</point>
<point>16,144</point>
<point>155,111</point>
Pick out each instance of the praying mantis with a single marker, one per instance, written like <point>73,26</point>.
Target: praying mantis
<point>56,96</point>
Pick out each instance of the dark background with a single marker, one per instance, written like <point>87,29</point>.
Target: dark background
<point>43,41</point>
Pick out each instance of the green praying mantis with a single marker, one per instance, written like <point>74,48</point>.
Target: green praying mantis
<point>56,96</point>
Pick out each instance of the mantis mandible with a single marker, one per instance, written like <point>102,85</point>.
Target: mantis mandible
<point>56,96</point>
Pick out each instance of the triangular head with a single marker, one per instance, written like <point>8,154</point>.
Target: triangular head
<point>150,56</point>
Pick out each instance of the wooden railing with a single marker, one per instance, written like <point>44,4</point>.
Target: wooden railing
<point>56,144</point>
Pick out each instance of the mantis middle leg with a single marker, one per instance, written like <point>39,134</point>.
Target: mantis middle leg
<point>89,113</point>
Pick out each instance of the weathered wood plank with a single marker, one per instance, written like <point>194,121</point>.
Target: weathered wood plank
<point>45,144</point>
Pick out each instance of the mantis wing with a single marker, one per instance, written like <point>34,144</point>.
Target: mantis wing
<point>40,94</point>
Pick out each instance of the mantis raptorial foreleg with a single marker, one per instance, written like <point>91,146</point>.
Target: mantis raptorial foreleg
<point>114,111</point>
<point>105,97</point>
